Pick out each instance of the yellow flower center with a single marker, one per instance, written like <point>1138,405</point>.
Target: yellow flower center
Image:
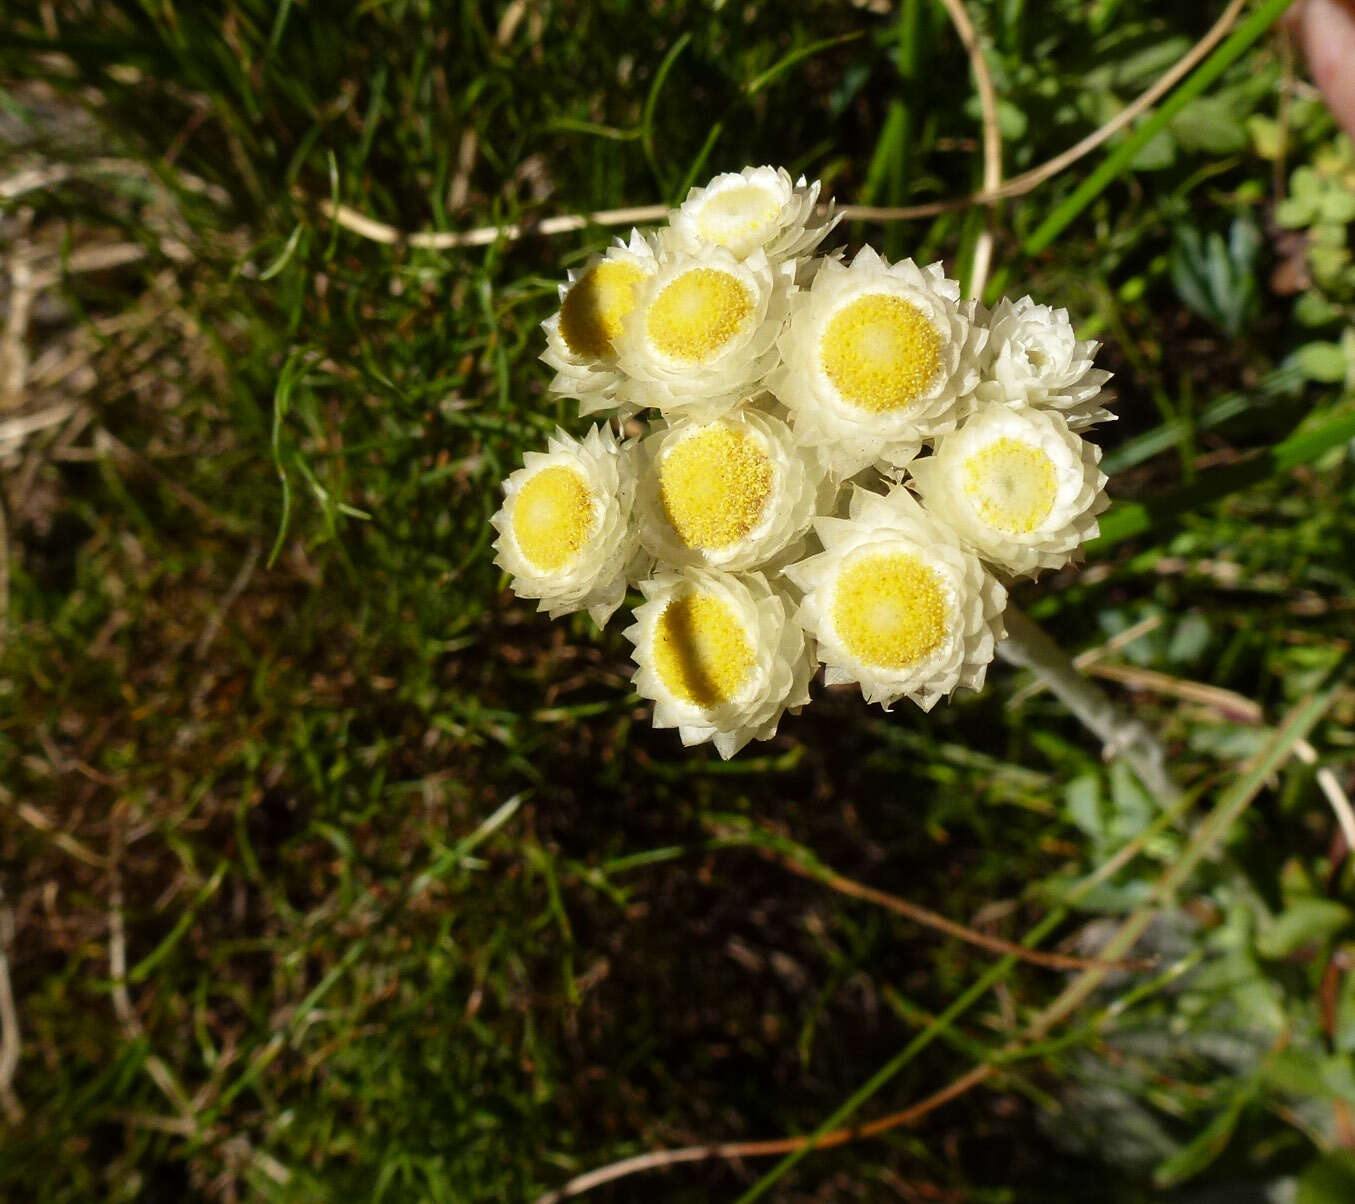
<point>733,214</point>
<point>881,353</point>
<point>1011,485</point>
<point>701,650</point>
<point>596,306</point>
<point>889,609</point>
<point>714,485</point>
<point>553,517</point>
<point>698,313</point>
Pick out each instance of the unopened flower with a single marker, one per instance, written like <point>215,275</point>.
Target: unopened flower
<point>758,208</point>
<point>897,604</point>
<point>1017,486</point>
<point>566,527</point>
<point>593,306</point>
<point>719,656</point>
<point>732,493</point>
<point>702,334</point>
<point>1035,359</point>
<point>877,359</point>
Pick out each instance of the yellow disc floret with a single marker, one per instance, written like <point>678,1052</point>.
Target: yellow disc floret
<point>701,650</point>
<point>697,314</point>
<point>553,517</point>
<point>889,609</point>
<point>1011,485</point>
<point>880,352</point>
<point>734,213</point>
<point>714,485</point>
<point>595,307</point>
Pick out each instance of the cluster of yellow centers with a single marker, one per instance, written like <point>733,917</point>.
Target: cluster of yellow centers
<point>553,517</point>
<point>889,609</point>
<point>595,307</point>
<point>696,314</point>
<point>1011,485</point>
<point>701,650</point>
<point>732,214</point>
<point>714,485</point>
<point>880,352</point>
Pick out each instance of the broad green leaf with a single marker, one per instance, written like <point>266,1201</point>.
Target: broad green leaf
<point>1328,1180</point>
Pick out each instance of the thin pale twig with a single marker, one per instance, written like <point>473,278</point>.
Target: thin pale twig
<point>11,1041</point>
<point>444,240</point>
<point>992,139</point>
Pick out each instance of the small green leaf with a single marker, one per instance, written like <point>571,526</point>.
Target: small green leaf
<point>1306,921</point>
<point>1320,361</point>
<point>1207,1145</point>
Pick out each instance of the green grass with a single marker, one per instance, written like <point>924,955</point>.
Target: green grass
<point>417,905</point>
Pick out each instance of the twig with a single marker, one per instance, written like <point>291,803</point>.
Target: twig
<point>658,1159</point>
<point>1027,646</point>
<point>11,1044</point>
<point>1234,706</point>
<point>788,1145</point>
<point>445,240</point>
<point>931,919</point>
<point>122,1003</point>
<point>1084,660</point>
<point>459,189</point>
<point>237,587</point>
<point>992,139</point>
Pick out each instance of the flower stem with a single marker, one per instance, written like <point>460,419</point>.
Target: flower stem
<point>1029,647</point>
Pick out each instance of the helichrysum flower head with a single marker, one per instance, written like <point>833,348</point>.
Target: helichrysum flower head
<point>734,493</point>
<point>593,306</point>
<point>896,603</point>
<point>566,527</point>
<point>877,359</point>
<point>756,209</point>
<point>1017,486</point>
<point>1035,359</point>
<point>702,334</point>
<point>719,657</point>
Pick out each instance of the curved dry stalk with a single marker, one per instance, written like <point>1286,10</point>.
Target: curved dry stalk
<point>11,1042</point>
<point>445,240</point>
<point>658,1159</point>
<point>992,139</point>
<point>931,919</point>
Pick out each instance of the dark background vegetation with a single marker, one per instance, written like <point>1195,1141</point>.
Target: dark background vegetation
<point>330,871</point>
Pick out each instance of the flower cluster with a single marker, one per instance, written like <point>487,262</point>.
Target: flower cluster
<point>845,461</point>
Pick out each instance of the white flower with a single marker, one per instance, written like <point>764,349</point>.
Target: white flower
<point>1017,486</point>
<point>719,656</point>
<point>732,493</point>
<point>566,527</point>
<point>1035,359</point>
<point>897,604</point>
<point>758,208</point>
<point>877,359</point>
<point>593,306</point>
<point>702,334</point>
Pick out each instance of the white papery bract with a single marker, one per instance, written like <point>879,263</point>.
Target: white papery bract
<point>1034,358</point>
<point>758,208</point>
<point>733,493</point>
<point>702,334</point>
<point>593,306</point>
<point>897,604</point>
<point>877,358</point>
<point>1017,486</point>
<point>719,656</point>
<point>566,529</point>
